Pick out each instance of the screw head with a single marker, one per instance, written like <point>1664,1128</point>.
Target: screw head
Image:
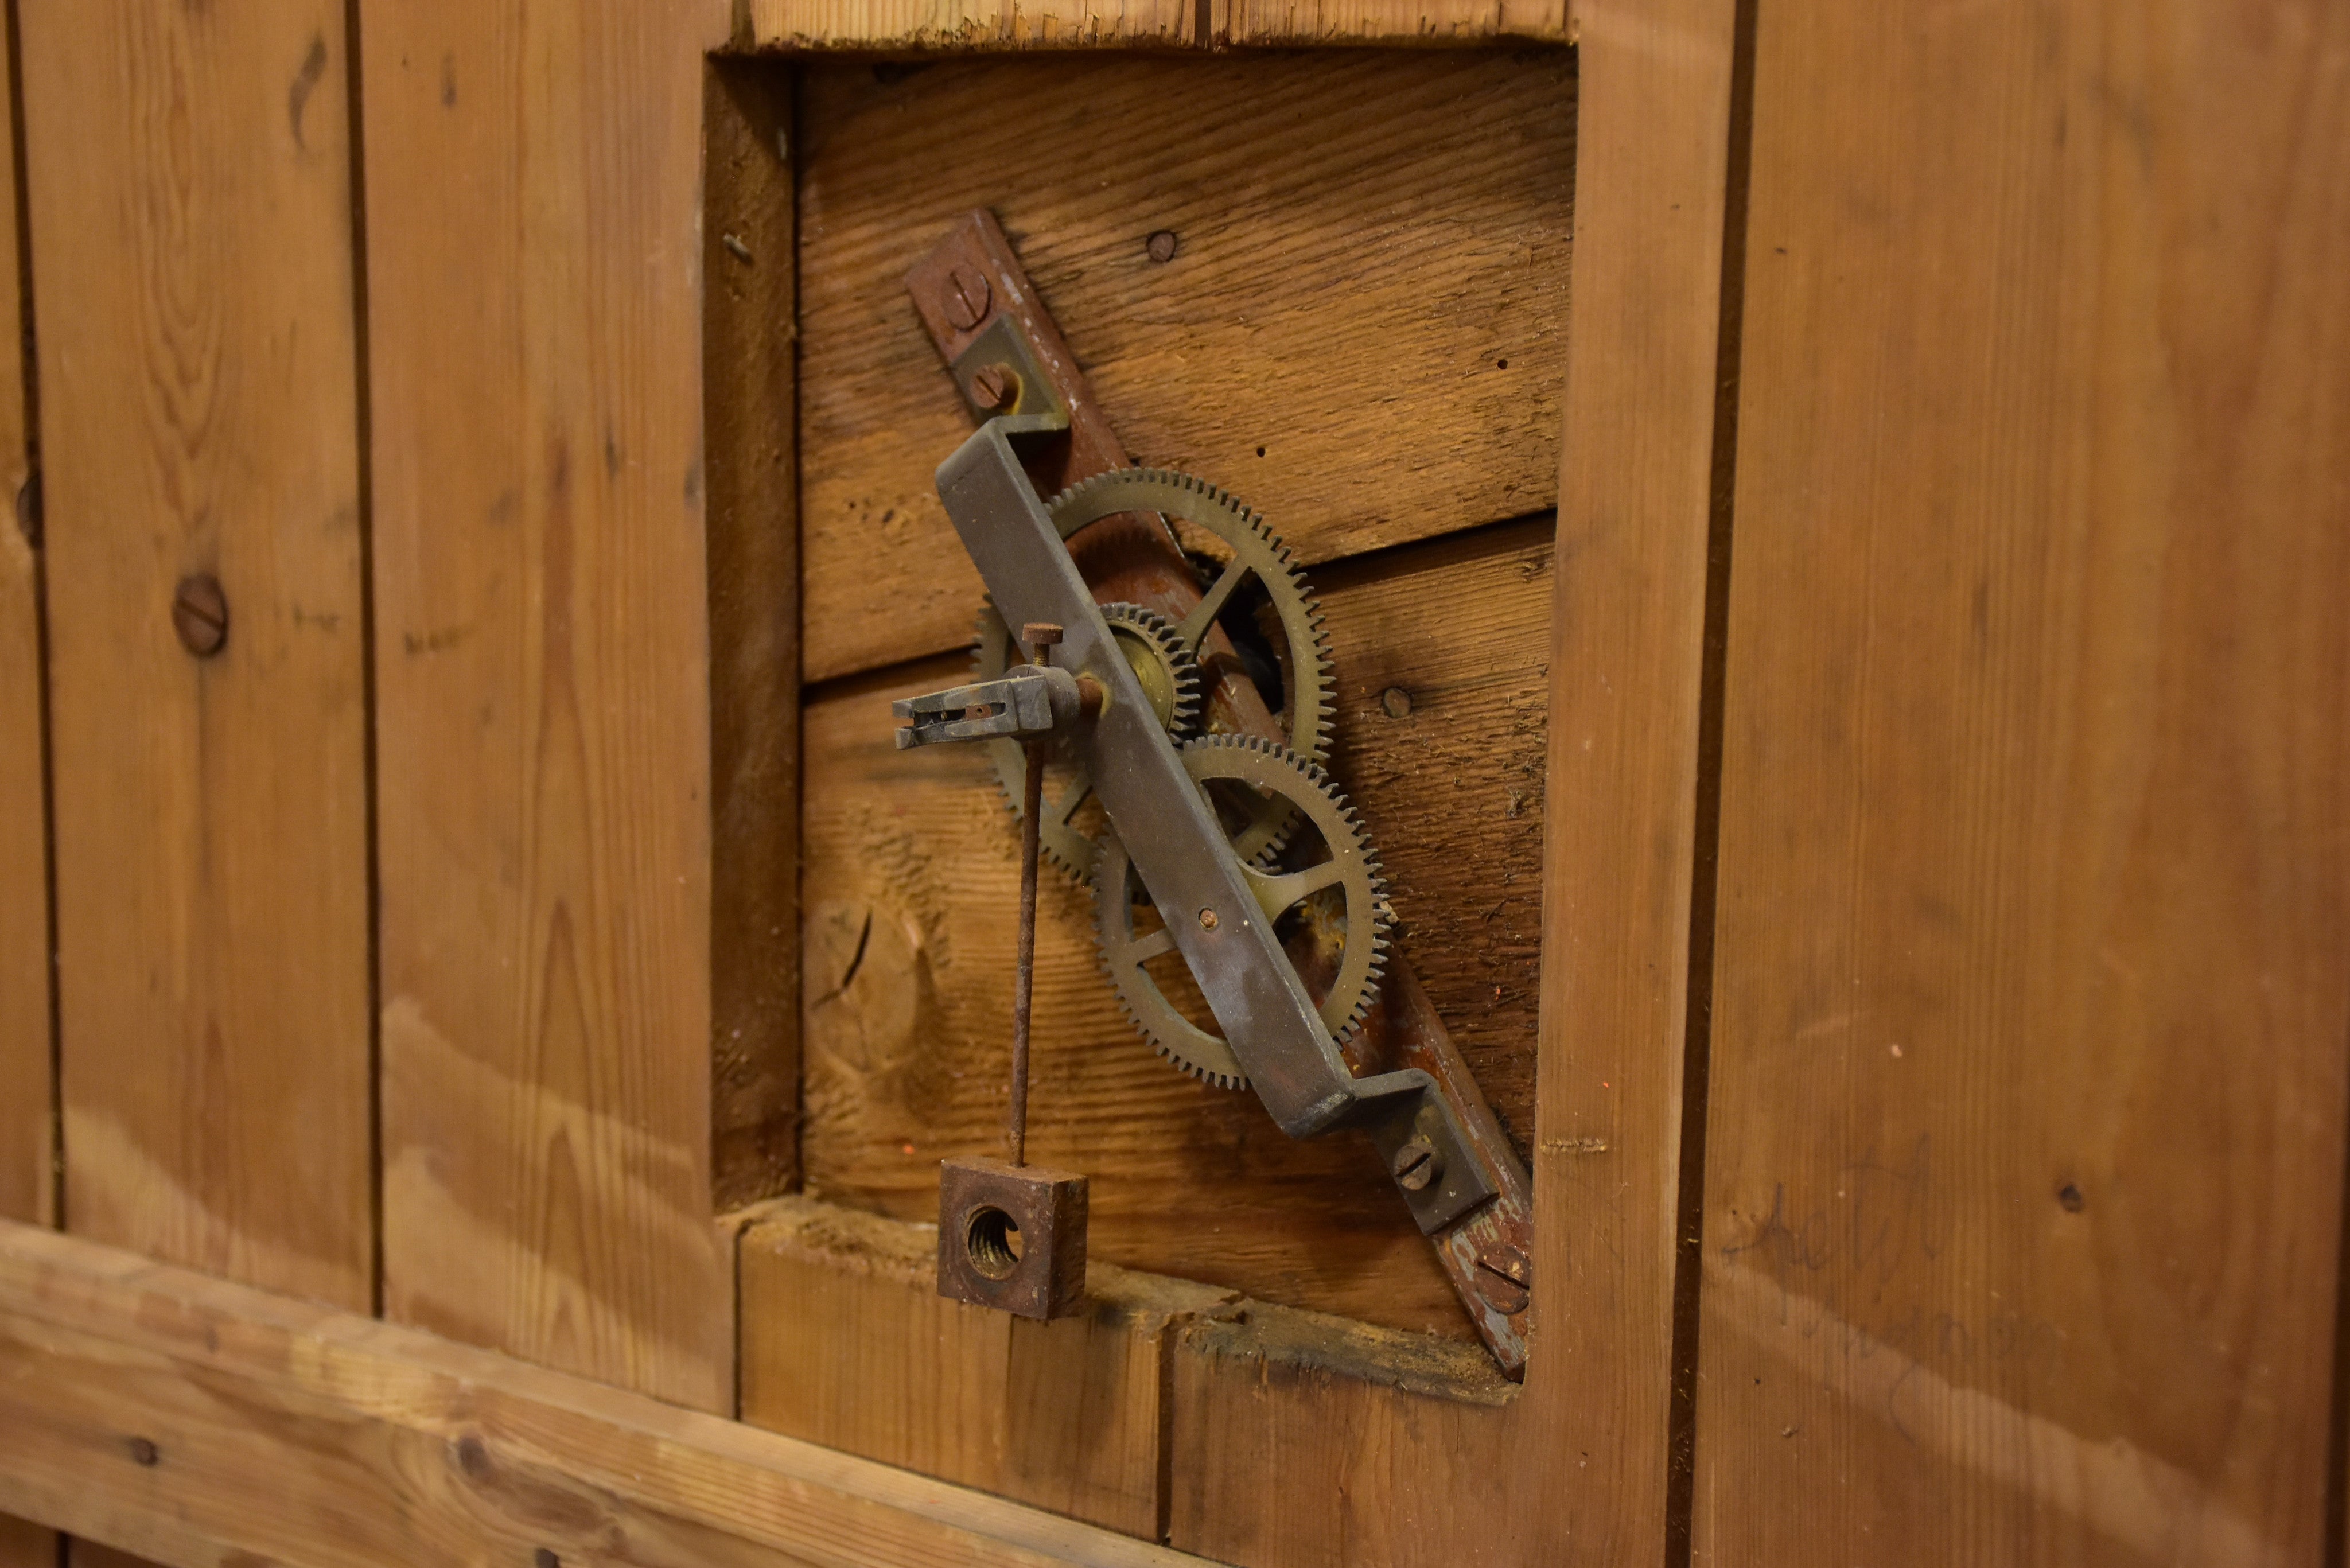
<point>995,387</point>
<point>1396,701</point>
<point>200,615</point>
<point>1504,1278</point>
<point>1160,245</point>
<point>1416,1165</point>
<point>1207,919</point>
<point>967,297</point>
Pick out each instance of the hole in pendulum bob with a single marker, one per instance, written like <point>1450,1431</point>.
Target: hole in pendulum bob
<point>992,1239</point>
<point>1012,1237</point>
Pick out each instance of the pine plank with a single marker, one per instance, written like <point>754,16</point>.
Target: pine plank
<point>912,870</point>
<point>27,1108</point>
<point>1436,186</point>
<point>1627,630</point>
<point>285,1432</point>
<point>2026,1148</point>
<point>190,201</point>
<point>961,26</point>
<point>847,1342</point>
<point>749,452</point>
<point>543,713</point>
<point>1304,1440</point>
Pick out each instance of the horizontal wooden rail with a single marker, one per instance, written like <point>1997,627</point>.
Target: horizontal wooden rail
<point>198,1422</point>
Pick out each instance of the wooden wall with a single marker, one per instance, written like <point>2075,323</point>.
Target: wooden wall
<point>1896,876</point>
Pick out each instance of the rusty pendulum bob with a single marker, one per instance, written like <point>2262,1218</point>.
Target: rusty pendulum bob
<point>1012,1235</point>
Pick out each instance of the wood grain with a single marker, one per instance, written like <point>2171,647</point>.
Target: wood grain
<point>912,871</point>
<point>1379,1448</point>
<point>1363,240</point>
<point>2028,1086</point>
<point>27,1110</point>
<point>749,457</point>
<point>1311,23</point>
<point>1627,658</point>
<point>290,1433</point>
<point>189,186</point>
<point>543,717</point>
<point>960,27</point>
<point>847,1342</point>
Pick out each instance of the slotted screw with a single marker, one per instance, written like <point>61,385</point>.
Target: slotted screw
<point>967,297</point>
<point>1416,1165</point>
<point>995,387</point>
<point>1503,1276</point>
<point>200,615</point>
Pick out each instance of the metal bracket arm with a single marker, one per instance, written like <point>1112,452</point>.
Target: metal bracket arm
<point>1176,844</point>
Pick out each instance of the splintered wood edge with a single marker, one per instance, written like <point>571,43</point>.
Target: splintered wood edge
<point>1214,1321</point>
<point>1319,1344</point>
<point>838,28</point>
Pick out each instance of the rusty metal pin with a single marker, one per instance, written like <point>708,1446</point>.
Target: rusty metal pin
<point>1160,246</point>
<point>1040,637</point>
<point>967,297</point>
<point>200,613</point>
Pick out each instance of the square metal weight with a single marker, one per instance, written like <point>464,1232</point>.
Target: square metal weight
<point>1012,1237</point>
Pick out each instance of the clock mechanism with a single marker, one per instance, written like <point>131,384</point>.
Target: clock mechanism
<point>1152,683</point>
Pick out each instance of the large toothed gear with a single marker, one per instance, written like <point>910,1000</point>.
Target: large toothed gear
<point>1328,875</point>
<point>1256,556</point>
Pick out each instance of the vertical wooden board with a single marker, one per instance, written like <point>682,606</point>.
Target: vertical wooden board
<point>2033,973</point>
<point>750,449</point>
<point>1653,135</point>
<point>1305,1441</point>
<point>847,1342</point>
<point>27,1107</point>
<point>1361,331</point>
<point>189,177</point>
<point>535,271</point>
<point>911,869</point>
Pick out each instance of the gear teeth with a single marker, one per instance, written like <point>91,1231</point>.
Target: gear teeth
<point>1275,563</point>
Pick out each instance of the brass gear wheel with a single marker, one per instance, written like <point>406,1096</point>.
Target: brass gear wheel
<point>1301,647</point>
<point>1328,878</point>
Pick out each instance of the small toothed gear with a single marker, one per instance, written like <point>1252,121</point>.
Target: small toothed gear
<point>1301,648</point>
<point>1335,857</point>
<point>1167,669</point>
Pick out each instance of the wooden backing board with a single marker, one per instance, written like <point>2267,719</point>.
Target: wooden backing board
<point>204,1423</point>
<point>2034,978</point>
<point>190,208</point>
<point>848,1342</point>
<point>544,732</point>
<point>911,875</point>
<point>1360,334</point>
